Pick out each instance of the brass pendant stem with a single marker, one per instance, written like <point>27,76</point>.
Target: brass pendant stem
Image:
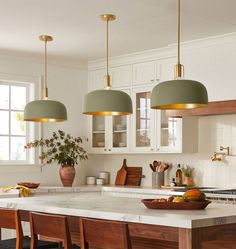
<point>45,71</point>
<point>107,18</point>
<point>45,39</point>
<point>178,31</point>
<point>107,44</point>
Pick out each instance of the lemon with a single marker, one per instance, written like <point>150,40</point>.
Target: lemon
<point>178,199</point>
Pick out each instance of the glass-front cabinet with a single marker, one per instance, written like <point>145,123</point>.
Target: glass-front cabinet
<point>110,134</point>
<point>98,132</point>
<point>143,121</point>
<point>168,133</point>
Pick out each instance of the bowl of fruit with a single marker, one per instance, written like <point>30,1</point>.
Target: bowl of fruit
<point>192,199</point>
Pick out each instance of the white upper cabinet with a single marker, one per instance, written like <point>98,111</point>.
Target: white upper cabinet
<point>109,134</point>
<point>120,77</point>
<point>167,68</point>
<point>146,130</point>
<point>143,121</point>
<point>144,73</point>
<point>96,79</point>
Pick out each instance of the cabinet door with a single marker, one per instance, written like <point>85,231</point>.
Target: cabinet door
<point>119,135</point>
<point>144,72</point>
<point>120,76</point>
<point>169,133</point>
<point>96,79</point>
<point>167,68</point>
<point>143,121</point>
<point>97,134</point>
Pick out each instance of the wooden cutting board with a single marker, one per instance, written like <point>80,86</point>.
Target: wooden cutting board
<point>121,174</point>
<point>134,176</point>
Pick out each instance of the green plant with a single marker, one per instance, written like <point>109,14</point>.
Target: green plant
<point>188,171</point>
<point>61,148</point>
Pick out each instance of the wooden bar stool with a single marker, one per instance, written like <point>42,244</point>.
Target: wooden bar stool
<point>104,234</point>
<point>54,226</point>
<point>10,219</point>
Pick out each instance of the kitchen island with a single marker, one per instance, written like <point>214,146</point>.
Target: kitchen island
<point>183,229</point>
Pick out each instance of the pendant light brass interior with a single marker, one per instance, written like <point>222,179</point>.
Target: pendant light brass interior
<point>107,102</point>
<point>45,110</point>
<point>179,93</point>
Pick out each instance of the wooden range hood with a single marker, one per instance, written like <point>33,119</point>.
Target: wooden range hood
<point>213,108</point>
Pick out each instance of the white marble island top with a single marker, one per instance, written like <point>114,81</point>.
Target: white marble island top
<point>95,205</point>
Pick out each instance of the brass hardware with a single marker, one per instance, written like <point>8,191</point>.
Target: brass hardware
<point>225,148</point>
<point>107,81</point>
<point>107,18</point>
<point>45,39</point>
<point>218,156</point>
<point>179,68</point>
<point>215,157</point>
<point>109,150</point>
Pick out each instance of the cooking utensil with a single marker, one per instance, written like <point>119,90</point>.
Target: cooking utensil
<point>152,168</point>
<point>121,174</point>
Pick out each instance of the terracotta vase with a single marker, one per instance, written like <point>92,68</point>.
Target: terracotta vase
<point>67,175</point>
<point>188,181</point>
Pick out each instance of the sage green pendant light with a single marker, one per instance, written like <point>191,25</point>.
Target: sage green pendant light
<point>106,101</point>
<point>45,110</point>
<point>179,93</point>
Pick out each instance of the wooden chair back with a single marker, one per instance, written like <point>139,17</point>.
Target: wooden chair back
<point>55,226</point>
<point>104,234</point>
<point>10,219</point>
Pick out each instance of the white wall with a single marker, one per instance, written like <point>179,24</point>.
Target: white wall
<point>66,84</point>
<point>211,61</point>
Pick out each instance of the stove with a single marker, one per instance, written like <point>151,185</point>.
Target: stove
<point>221,191</point>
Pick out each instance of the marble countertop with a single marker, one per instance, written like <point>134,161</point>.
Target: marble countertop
<point>95,205</point>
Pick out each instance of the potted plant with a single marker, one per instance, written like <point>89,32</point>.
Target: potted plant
<point>63,149</point>
<point>188,172</point>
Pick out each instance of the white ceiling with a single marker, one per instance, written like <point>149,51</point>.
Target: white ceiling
<point>80,35</point>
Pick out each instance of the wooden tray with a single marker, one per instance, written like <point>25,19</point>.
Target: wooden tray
<point>28,184</point>
<point>193,205</point>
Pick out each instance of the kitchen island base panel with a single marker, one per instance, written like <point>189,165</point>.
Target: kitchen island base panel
<point>145,236</point>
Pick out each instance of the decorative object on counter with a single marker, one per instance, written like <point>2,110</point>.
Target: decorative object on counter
<point>157,204</point>
<point>45,110</point>
<point>130,176</point>
<point>107,101</point>
<point>158,179</point>
<point>179,175</point>
<point>219,156</point>
<point>105,175</point>
<point>188,172</point>
<point>121,174</point>
<point>24,191</point>
<point>32,185</point>
<point>192,199</point>
<point>99,181</point>
<point>90,180</point>
<point>179,93</point>
<point>63,149</point>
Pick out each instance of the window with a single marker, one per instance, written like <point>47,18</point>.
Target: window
<point>14,132</point>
